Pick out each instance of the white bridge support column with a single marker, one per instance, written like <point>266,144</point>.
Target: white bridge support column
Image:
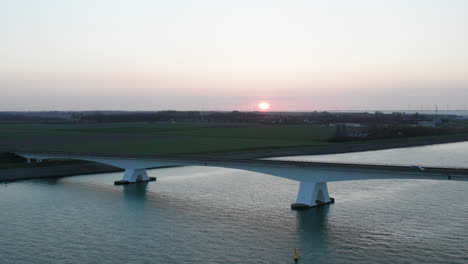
<point>133,176</point>
<point>312,194</point>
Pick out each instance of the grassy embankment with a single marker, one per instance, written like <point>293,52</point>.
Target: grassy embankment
<point>10,161</point>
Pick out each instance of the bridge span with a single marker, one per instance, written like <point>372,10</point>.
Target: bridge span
<point>313,176</point>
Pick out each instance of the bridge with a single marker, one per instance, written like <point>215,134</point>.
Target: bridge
<point>312,176</point>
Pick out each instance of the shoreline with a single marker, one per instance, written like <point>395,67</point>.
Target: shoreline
<point>19,174</point>
<point>340,148</point>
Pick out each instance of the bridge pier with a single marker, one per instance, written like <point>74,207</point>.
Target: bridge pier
<point>312,194</point>
<point>133,176</point>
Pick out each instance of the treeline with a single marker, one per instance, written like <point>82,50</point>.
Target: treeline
<point>385,131</point>
<point>252,117</point>
<point>200,116</point>
<point>25,118</point>
<point>175,116</point>
<point>377,131</point>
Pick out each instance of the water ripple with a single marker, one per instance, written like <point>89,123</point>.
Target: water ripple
<point>207,215</point>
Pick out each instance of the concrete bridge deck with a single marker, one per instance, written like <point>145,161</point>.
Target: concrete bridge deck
<point>213,161</point>
<point>312,176</point>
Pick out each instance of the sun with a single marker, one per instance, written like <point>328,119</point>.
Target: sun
<point>263,106</point>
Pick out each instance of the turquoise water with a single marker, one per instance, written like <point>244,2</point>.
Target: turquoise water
<point>213,215</point>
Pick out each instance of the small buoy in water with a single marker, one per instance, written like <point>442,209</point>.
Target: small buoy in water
<point>296,254</point>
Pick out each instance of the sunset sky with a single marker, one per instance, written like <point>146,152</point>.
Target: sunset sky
<point>231,55</point>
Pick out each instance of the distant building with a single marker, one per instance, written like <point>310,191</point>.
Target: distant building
<point>307,121</point>
<point>358,135</point>
<point>345,124</point>
<point>433,123</point>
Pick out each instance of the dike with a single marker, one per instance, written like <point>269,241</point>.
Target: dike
<point>17,174</point>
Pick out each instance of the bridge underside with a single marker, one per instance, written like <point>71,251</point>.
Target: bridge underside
<point>310,194</point>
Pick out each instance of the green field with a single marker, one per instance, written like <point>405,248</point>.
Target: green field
<point>160,138</point>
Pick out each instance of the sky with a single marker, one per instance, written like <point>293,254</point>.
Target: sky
<point>298,55</point>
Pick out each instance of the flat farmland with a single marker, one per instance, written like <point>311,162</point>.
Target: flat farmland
<point>161,138</point>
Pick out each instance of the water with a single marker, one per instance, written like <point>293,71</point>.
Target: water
<point>214,215</point>
<point>451,155</point>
